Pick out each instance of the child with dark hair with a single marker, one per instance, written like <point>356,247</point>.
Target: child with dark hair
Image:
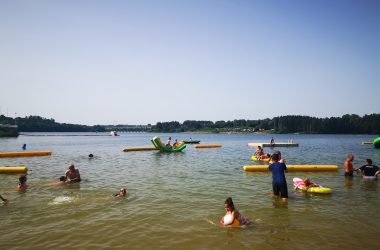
<point>233,217</point>
<point>122,193</point>
<point>21,186</point>
<point>279,184</point>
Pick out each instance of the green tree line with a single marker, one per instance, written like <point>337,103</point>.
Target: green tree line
<point>40,124</point>
<point>347,124</point>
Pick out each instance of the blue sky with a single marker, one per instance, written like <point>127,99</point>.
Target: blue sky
<point>138,62</point>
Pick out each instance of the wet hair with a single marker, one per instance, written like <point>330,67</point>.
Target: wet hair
<point>90,155</point>
<point>275,157</point>
<point>62,178</point>
<point>369,161</point>
<point>277,152</point>
<point>22,179</point>
<point>170,138</point>
<point>230,203</point>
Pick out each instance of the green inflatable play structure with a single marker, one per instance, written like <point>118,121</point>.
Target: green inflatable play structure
<point>159,145</point>
<point>376,142</point>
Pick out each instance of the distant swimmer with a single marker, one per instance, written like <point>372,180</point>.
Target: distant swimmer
<point>122,193</point>
<point>62,181</point>
<point>72,174</point>
<point>21,186</point>
<point>233,217</point>
<point>24,147</point>
<point>90,156</point>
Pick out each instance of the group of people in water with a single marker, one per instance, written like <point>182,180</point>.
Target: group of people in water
<point>71,175</point>
<point>169,145</point>
<point>367,170</point>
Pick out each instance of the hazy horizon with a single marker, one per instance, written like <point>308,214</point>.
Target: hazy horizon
<point>141,62</point>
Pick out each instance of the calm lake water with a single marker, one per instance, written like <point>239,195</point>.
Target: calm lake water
<point>175,201</point>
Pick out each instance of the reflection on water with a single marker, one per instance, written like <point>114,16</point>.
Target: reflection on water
<point>175,200</point>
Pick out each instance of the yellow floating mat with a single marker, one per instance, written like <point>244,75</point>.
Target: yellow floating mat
<point>208,146</point>
<point>367,142</point>
<point>305,168</point>
<point>13,170</point>
<point>24,154</point>
<point>140,149</point>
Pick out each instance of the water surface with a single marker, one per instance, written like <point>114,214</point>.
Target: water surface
<point>175,200</point>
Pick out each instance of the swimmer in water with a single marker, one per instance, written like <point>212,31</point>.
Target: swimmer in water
<point>122,193</point>
<point>234,213</point>
<point>21,186</point>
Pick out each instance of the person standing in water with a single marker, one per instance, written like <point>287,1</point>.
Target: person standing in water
<point>279,184</point>
<point>348,167</point>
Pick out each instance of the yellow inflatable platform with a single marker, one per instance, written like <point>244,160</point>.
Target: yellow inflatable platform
<point>208,146</point>
<point>140,149</point>
<point>293,168</point>
<point>263,158</point>
<point>24,154</point>
<point>13,170</point>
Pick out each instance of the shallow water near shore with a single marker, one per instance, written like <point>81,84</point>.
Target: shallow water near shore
<point>175,200</point>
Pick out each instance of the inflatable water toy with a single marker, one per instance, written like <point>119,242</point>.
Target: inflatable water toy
<point>229,220</point>
<point>263,158</point>
<point>208,146</point>
<point>24,154</point>
<point>140,149</point>
<point>277,144</point>
<point>367,142</point>
<point>376,142</point>
<point>191,141</point>
<point>13,170</point>
<point>292,168</point>
<point>160,146</point>
<point>299,184</point>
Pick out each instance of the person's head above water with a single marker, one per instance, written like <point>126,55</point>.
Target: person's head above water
<point>71,167</point>
<point>368,161</point>
<point>122,191</point>
<point>62,178</point>
<point>90,155</point>
<point>229,204</point>
<point>22,179</point>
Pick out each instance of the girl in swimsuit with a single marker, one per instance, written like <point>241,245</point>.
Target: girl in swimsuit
<point>236,215</point>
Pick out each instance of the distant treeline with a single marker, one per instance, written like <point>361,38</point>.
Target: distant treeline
<point>40,124</point>
<point>347,124</point>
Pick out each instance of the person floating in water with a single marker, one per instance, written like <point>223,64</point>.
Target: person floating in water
<point>233,216</point>
<point>21,186</point>
<point>72,174</point>
<point>122,193</point>
<point>369,170</point>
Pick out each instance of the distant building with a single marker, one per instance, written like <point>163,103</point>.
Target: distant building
<point>8,130</point>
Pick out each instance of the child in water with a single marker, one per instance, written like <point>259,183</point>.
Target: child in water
<point>21,186</point>
<point>122,193</point>
<point>232,215</point>
<point>308,184</point>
